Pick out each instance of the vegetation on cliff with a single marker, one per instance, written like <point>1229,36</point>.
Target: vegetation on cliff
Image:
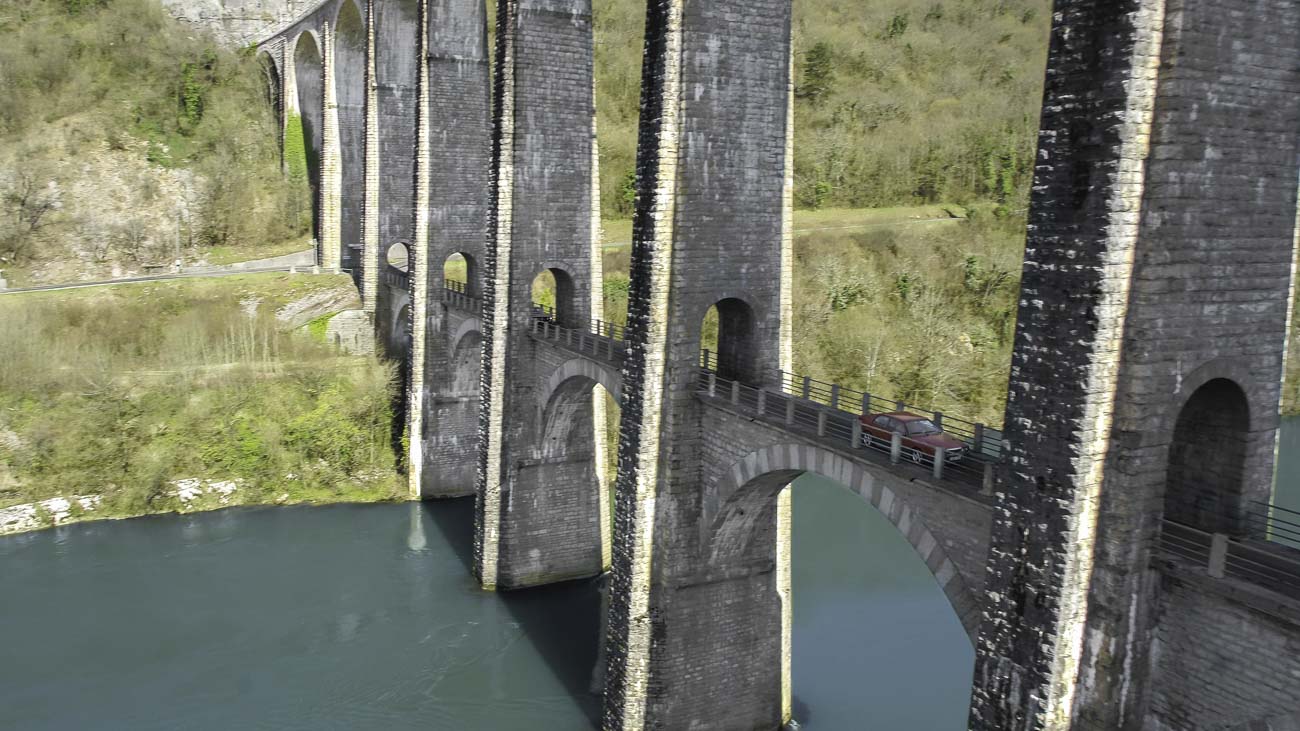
<point>897,102</point>
<point>128,139</point>
<point>124,392</point>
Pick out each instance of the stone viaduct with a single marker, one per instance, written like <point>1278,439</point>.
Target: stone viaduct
<point>1105,551</point>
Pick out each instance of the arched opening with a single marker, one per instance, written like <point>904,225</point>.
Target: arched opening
<point>554,299</point>
<point>1204,484</point>
<point>401,337</point>
<point>271,74</point>
<point>460,274</point>
<point>466,365</point>
<point>302,145</point>
<point>859,558</point>
<point>398,256</point>
<point>350,74</point>
<point>729,334</point>
<point>579,436</point>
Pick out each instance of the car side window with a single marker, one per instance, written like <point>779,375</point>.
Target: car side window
<point>886,423</point>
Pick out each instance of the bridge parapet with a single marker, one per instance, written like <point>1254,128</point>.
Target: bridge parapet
<point>603,341</point>
<point>454,295</point>
<point>831,414</point>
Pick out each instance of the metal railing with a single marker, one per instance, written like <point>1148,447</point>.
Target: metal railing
<point>394,277</point>
<point>842,429</point>
<point>983,442</point>
<point>1254,561</point>
<point>591,341</point>
<point>1275,523</point>
<point>455,295</point>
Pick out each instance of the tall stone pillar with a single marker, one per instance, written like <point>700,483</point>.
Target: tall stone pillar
<point>539,492</point>
<point>331,169</point>
<point>698,638</point>
<point>453,191</point>
<point>370,222</point>
<point>1158,260</point>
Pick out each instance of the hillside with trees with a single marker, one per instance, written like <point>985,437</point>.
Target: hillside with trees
<point>897,102</point>
<point>127,139</point>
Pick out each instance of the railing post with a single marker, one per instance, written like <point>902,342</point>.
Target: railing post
<point>835,395</point>
<point>895,448</point>
<point>940,457</point>
<point>977,442</point>
<point>987,487</point>
<point>855,439</point>
<point>900,406</point>
<point>568,336</point>
<point>821,422</point>
<point>1218,555</point>
<point>938,419</point>
<point>807,386</point>
<point>713,384</point>
<point>789,412</point>
<point>735,393</point>
<point>866,403</point>
<point>582,343</point>
<point>706,359</point>
<point>762,401</point>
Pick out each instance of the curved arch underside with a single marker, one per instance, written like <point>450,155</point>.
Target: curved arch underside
<point>746,498</point>
<point>309,80</point>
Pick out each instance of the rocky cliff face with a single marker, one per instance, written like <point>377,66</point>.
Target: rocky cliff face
<point>237,22</point>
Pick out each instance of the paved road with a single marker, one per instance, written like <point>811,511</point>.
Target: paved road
<point>149,278</point>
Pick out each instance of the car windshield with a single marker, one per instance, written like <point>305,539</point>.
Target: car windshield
<point>921,427</point>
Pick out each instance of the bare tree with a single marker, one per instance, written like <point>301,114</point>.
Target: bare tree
<point>27,207</point>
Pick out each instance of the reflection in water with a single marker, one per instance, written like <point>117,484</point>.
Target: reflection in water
<point>876,644</point>
<point>367,617</point>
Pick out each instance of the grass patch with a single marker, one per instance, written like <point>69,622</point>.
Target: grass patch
<point>220,255</point>
<point>121,391</point>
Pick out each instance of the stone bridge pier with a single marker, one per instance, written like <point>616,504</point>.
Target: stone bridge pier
<point>453,181</point>
<point>540,501</point>
<point>699,618</point>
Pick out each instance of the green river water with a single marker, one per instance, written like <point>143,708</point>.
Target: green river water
<point>366,617</point>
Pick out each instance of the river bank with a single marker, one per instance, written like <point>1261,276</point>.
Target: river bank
<point>193,495</point>
<point>187,395</point>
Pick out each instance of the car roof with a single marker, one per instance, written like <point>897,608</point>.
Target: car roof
<point>904,415</point>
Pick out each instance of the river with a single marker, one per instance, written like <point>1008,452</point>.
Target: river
<point>366,617</point>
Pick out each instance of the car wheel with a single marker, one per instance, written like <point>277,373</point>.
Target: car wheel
<point>916,456</point>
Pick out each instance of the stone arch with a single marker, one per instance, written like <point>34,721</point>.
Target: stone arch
<point>400,327</point>
<point>466,358</point>
<point>398,255</point>
<point>473,277</point>
<point>738,338</point>
<point>271,73</point>
<point>1250,456</point>
<point>569,312</point>
<point>581,369</point>
<point>350,48</point>
<point>307,119</point>
<point>1205,476</point>
<point>747,493</point>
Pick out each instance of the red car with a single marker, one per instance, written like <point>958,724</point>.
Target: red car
<point>921,437</point>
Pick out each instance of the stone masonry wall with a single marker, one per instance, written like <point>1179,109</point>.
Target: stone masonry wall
<point>1078,261</point>
<point>1216,662</point>
<point>543,492</point>
<point>459,168</point>
<point>709,226</point>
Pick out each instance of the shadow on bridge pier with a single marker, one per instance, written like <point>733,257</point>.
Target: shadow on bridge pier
<point>561,620</point>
